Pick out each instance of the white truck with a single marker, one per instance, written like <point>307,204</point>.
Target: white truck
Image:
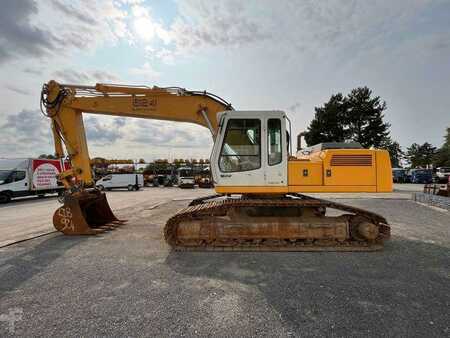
<point>185,178</point>
<point>129,181</point>
<point>28,176</point>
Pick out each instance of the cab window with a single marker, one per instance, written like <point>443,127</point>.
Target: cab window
<point>274,141</point>
<point>241,149</point>
<point>19,176</point>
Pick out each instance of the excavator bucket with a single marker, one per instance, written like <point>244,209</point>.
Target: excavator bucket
<point>85,213</point>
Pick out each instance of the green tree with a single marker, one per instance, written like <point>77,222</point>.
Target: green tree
<point>395,151</point>
<point>442,156</point>
<point>420,155</point>
<point>356,117</point>
<point>364,118</point>
<point>48,156</point>
<point>327,125</point>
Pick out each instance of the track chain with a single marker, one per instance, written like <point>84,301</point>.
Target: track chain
<point>205,207</point>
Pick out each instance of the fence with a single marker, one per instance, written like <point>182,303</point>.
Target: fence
<point>434,200</point>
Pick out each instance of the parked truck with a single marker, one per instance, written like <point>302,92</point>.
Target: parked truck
<point>28,177</point>
<point>185,178</point>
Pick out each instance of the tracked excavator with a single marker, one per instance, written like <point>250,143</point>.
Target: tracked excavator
<point>260,201</point>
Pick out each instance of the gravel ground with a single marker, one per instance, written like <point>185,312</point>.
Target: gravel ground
<point>128,283</point>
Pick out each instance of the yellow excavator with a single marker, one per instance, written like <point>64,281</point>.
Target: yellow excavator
<point>259,202</point>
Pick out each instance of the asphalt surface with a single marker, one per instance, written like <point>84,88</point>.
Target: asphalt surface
<point>29,217</point>
<point>128,283</point>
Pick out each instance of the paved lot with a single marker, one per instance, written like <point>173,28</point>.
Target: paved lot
<point>127,282</point>
<point>29,217</point>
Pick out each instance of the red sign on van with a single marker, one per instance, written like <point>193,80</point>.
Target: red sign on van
<point>45,173</point>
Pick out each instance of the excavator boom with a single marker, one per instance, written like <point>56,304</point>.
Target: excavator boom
<point>66,103</point>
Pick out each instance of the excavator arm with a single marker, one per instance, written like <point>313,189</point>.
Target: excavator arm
<point>65,105</point>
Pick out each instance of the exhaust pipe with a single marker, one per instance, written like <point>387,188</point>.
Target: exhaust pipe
<point>299,140</point>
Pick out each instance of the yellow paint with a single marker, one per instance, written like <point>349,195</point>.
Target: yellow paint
<point>251,190</point>
<point>296,173</point>
<point>149,103</point>
<point>333,188</point>
<point>293,188</point>
<point>384,171</point>
<point>372,173</point>
<point>351,173</point>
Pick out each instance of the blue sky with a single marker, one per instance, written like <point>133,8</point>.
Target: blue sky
<point>288,55</point>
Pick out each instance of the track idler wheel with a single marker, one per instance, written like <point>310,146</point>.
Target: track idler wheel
<point>362,229</point>
<point>85,213</point>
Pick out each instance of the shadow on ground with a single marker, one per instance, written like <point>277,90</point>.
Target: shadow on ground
<point>28,261</point>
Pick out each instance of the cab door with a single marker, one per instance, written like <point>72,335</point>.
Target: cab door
<point>276,153</point>
<point>238,151</point>
<point>19,183</point>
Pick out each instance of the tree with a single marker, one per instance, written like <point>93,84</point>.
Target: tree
<point>141,161</point>
<point>395,151</point>
<point>356,117</point>
<point>364,118</point>
<point>442,156</point>
<point>420,155</point>
<point>327,125</point>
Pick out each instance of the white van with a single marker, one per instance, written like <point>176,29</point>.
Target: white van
<point>29,176</point>
<point>113,181</point>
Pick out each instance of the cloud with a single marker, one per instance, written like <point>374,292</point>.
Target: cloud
<point>26,133</point>
<point>145,26</point>
<point>103,132</point>
<point>89,23</point>
<point>32,71</point>
<point>280,52</point>
<point>17,90</point>
<point>146,72</point>
<point>288,28</point>
<point>225,24</point>
<point>18,37</point>
<point>169,134</point>
<point>120,121</point>
<point>29,29</point>
<point>76,12</point>
<point>72,76</point>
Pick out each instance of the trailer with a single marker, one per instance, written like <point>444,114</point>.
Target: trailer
<point>29,177</point>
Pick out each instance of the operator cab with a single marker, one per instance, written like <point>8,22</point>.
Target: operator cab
<point>251,150</point>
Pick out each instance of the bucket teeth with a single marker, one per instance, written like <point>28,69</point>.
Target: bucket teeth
<point>85,213</point>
